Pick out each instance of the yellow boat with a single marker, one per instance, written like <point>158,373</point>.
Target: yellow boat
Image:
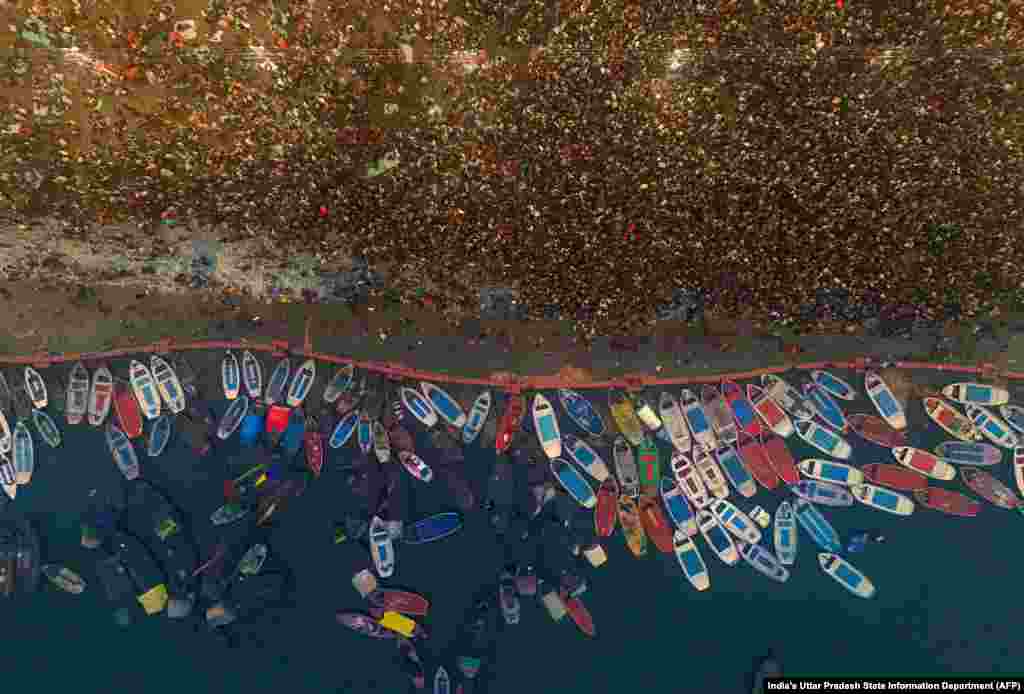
<point>154,600</point>
<point>398,623</point>
<point>625,417</point>
<point>629,518</point>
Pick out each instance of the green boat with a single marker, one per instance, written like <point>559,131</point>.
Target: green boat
<point>649,465</point>
<point>228,513</point>
<point>46,427</point>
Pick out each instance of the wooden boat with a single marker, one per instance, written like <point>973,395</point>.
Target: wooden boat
<point>894,477</point>
<point>126,407</point>
<point>432,528</point>
<point>992,427</point>
<point>876,430</point>
<point>477,417</point>
<point>364,625</point>
<point>884,401</point>
<point>976,394</point>
<point>735,521</point>
<point>826,407</point>
<point>447,407</point>
<point>835,386</point>
<point>8,477</point>
<point>77,397</point>
<point>947,501</point>
<point>717,538</point>
<point>689,480</point>
<point>381,549</point>
<point>233,417</point>
<point>846,575</point>
<point>649,465</point>
<point>969,453</point>
<point>442,683</point>
<point>700,428</point>
<point>415,466</point>
<point>508,598</point>
<point>35,386</point>
<point>6,437</point>
<point>824,493</point>
<point>399,601</point>
<point>24,455</point>
<point>101,393</point>
<point>781,459</point>
<point>719,415</point>
<point>252,375</point>
<point>625,417</point>
<point>364,432</point>
<point>677,507</point>
<point>144,388</point>
<point>632,528</point>
<point>1013,415</point>
<point>675,422</point>
<point>579,613</point>
<point>606,511</point>
<point>6,396</point>
<point>742,409</point>
<point>763,561</point>
<point>732,466</point>
<point>924,462</point>
<point>278,383</point>
<point>882,499</point>
<point>122,451</point>
<point>381,442</point>
<point>756,460</point>
<point>625,467</point>
<point>342,381</point>
<point>760,516</point>
<point>1018,468</point>
<point>545,423</point>
<point>586,457</point>
<point>303,380</point>
<point>645,412</point>
<point>774,417</point>
<point>827,471</point>
<point>788,398</point>
<point>581,412</point>
<point>656,525</point>
<point>313,445</point>
<point>692,563</point>
<point>229,375</point>
<point>573,482</point>
<point>785,535</point>
<point>419,407</point>
<point>167,384</point>
<point>710,473</point>
<point>344,429</point>
<point>820,530</point>
<point>46,427</point>
<point>950,420</point>
<point>824,439</point>
<point>989,488</point>
<point>159,435</point>
<point>510,423</point>
<point>64,578</point>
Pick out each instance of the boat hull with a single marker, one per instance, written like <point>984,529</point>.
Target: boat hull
<point>876,430</point>
<point>894,477</point>
<point>948,502</point>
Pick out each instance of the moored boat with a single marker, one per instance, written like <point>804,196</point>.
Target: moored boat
<point>35,386</point>
<point>756,460</point>
<point>233,417</point>
<point>64,578</point>
<point>697,420</point>
<point>781,459</point>
<point>511,419</point>
<point>846,575</point>
<point>991,427</point>
<point>924,462</point>
<point>882,499</point>
<point>477,417</point>
<point>442,683</point>
<point>586,457</point>
<point>167,384</point>
<point>159,435</point>
<point>835,386</point>
<point>732,466</point>
<point>976,394</point>
<point>24,455</point>
<point>950,420</point>
<point>144,388</point>
<point>689,480</point>
<point>77,397</point>
<point>122,451</point>
<point>717,538</point>
<point>656,525</point>
<point>126,407</point>
<point>1013,415</point>
<point>894,477</point>
<point>365,625</point>
<point>303,380</point>
<point>101,392</point>
<point>1018,468</point>
<point>573,482</point>
<point>6,437</point>
<point>675,422</point>
<point>692,563</point>
<point>989,488</point>
<point>632,526</point>
<point>815,524</point>
<point>789,398</point>
<point>313,445</point>
<point>508,599</point>
<point>625,467</point>
<point>364,432</point>
<point>278,384</point>
<point>719,415</point>
<point>415,466</point>
<point>825,407</point>
<point>447,407</point>
<point>645,412</point>
<point>677,507</point>
<point>46,427</point>
<point>710,473</point>
<point>876,430</point>
<point>432,528</point>
<point>968,453</point>
<point>763,561</point>
<point>581,411</point>
<point>827,471</point>
<point>381,548</point>
<point>648,464</point>
<point>824,439</point>
<point>884,401</point>
<point>381,442</point>
<point>545,423</point>
<point>774,417</point>
<point>229,375</point>
<point>784,534</point>
<point>947,501</point>
<point>342,381</point>
<point>252,375</point>
<point>419,407</point>
<point>579,614</point>
<point>742,409</point>
<point>625,416</point>
<point>344,429</point>
<point>824,493</point>
<point>735,521</point>
<point>8,477</point>
<point>606,512</point>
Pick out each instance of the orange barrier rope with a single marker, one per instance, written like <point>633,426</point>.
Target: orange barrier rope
<point>281,348</point>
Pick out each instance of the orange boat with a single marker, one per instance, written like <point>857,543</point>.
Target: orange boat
<point>953,503</point>
<point>127,409</point>
<point>607,510</point>
<point>894,477</point>
<point>313,443</point>
<point>781,459</point>
<point>510,422</point>
<point>656,524</point>
<point>632,528</point>
<point>876,430</point>
<point>756,460</point>
<point>579,613</point>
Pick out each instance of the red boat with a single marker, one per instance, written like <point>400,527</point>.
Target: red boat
<point>953,503</point>
<point>606,513</point>
<point>989,488</point>
<point>277,419</point>
<point>579,613</point>
<point>313,444</point>
<point>894,477</point>
<point>127,409</point>
<point>742,409</point>
<point>655,524</point>
<point>510,422</point>
<point>399,601</point>
<point>876,430</point>
<point>781,459</point>
<point>756,460</point>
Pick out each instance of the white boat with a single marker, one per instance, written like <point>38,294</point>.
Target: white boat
<point>697,420</point>
<point>763,561</point>
<point>625,467</point>
<point>1018,468</point>
<point>278,384</point>
<point>24,456</point>
<point>785,534</point>
<point>341,382</point>
<point>692,563</point>
<point>77,397</point>
<point>35,386</point>
<point>1014,416</point>
<point>884,401</point>
<point>846,575</point>
<point>824,439</point>
<point>924,462</point>
<point>442,682</point>
<point>824,493</point>
<point>882,499</point>
<point>646,414</point>
<point>674,420</point>
<point>689,479</point>
<point>344,429</point>
<point>834,385</point>
<point>788,398</point>
<point>233,417</point>
<point>419,407</point>
<point>381,548</point>
<point>761,517</point>
<point>302,381</point>
<point>950,420</point>
<point>101,395</point>
<point>732,466</point>
<point>827,471</point>
<point>773,416</point>
<point>586,457</point>
<point>168,384</point>
<point>477,417</point>
<point>6,439</point>
<point>735,521</point>
<point>144,388</point>
<point>992,427</point>
<point>573,482</point>
<point>444,404</point>
<point>976,394</point>
<point>7,478</point>
<point>159,436</point>
<point>710,473</point>
<point>229,375</point>
<point>719,415</point>
<point>546,425</point>
<point>123,452</point>
<point>717,538</point>
<point>677,507</point>
<point>381,442</point>
<point>252,375</point>
<point>415,466</point>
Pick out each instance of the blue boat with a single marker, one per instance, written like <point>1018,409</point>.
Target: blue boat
<point>834,385</point>
<point>820,530</point>
<point>581,412</point>
<point>432,528</point>
<point>344,429</point>
<point>678,508</point>
<point>735,471</point>
<point>364,432</point>
<point>826,407</point>
<point>573,482</point>
<point>586,457</point>
<point>444,404</point>
<point>419,406</point>
<point>1014,416</point>
<point>824,493</point>
<point>278,382</point>
<point>159,435</point>
<point>291,441</point>
<point>969,453</point>
<point>252,426</point>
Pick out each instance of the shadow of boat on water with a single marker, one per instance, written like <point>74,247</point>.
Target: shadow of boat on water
<point>765,666</point>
